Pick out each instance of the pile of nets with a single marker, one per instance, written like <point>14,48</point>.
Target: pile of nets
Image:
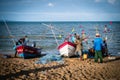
<point>49,58</point>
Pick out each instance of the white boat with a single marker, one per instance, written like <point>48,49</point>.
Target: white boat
<point>67,49</point>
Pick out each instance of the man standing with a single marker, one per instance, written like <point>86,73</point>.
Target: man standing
<point>21,41</point>
<point>98,48</point>
<point>78,43</point>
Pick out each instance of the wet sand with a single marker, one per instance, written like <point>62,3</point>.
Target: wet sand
<point>72,69</point>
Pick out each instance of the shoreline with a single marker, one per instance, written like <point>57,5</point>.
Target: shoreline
<point>73,68</point>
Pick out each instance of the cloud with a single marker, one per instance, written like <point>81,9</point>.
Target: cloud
<point>97,1</point>
<point>111,1</point>
<point>103,1</point>
<point>50,4</point>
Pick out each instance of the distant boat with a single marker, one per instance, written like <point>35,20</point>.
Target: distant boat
<point>67,49</point>
<point>25,51</point>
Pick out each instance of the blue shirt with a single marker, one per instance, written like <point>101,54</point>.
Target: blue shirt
<point>73,39</point>
<point>98,44</point>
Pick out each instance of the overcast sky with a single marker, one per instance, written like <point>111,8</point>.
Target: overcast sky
<point>60,10</point>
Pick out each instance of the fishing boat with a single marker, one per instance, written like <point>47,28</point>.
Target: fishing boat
<point>67,49</point>
<point>25,51</point>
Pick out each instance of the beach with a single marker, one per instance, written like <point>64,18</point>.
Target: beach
<point>61,38</point>
<point>71,69</point>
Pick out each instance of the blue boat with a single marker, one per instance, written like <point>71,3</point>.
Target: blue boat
<point>25,51</point>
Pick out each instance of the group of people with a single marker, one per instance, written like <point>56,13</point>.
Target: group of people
<point>99,46</point>
<point>79,42</point>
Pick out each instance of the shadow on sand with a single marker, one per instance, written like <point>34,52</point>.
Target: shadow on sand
<point>26,72</point>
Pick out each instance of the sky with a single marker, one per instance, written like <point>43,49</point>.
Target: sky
<point>60,10</point>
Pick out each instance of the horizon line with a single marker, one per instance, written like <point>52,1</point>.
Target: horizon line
<point>62,21</point>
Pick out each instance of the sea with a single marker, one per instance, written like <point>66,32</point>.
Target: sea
<point>49,35</point>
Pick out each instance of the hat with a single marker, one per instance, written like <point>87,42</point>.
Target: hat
<point>97,34</point>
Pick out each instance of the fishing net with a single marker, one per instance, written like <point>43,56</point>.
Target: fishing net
<point>49,58</point>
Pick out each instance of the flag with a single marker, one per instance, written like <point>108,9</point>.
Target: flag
<point>110,22</point>
<point>73,29</point>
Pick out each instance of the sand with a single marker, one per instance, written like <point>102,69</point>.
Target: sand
<point>72,69</point>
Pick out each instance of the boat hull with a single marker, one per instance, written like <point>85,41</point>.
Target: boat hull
<point>67,49</point>
<point>28,51</point>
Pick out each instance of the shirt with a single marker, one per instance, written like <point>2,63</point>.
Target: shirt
<point>73,39</point>
<point>98,44</point>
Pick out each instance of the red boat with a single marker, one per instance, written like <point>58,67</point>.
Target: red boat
<point>28,51</point>
<point>67,49</point>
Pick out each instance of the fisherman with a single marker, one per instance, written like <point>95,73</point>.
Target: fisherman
<point>91,50</point>
<point>17,43</point>
<point>83,34</point>
<point>74,37</point>
<point>23,40</point>
<point>106,29</point>
<point>85,48</point>
<point>105,49</point>
<point>98,43</point>
<point>78,43</point>
<point>84,37</point>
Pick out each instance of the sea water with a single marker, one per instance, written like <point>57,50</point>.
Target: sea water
<point>44,37</point>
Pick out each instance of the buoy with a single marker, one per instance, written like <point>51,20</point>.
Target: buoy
<point>85,56</point>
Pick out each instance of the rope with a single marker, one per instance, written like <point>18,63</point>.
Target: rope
<point>54,36</point>
<point>59,30</point>
<point>8,30</point>
<point>51,27</point>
